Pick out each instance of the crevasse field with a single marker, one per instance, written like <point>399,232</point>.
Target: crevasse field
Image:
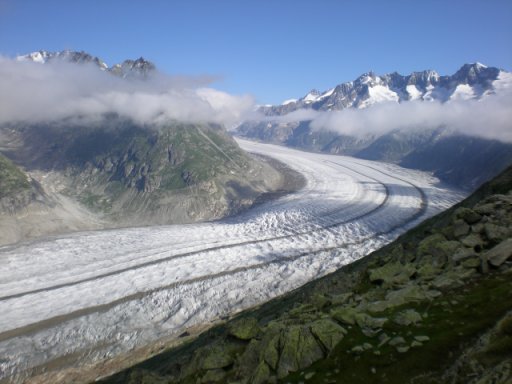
<point>92,296</point>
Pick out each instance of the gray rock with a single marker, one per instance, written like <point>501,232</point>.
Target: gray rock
<point>462,254</point>
<point>473,240</point>
<point>407,317</point>
<point>345,315</point>
<point>397,340</point>
<point>495,233</point>
<point>468,215</point>
<point>392,273</point>
<point>357,349</point>
<point>460,228</point>
<point>341,298</point>
<point>213,376</point>
<point>328,332</point>
<point>500,253</point>
<point>402,349</point>
<point>415,344</point>
<point>299,349</point>
<point>383,339</point>
<point>473,262</point>
<point>244,329</point>
<point>364,320</point>
<point>261,375</point>
<point>485,209</point>
<point>421,338</point>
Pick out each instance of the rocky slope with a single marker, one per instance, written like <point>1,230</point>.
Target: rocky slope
<point>118,173</point>
<point>449,151</point>
<point>433,306</point>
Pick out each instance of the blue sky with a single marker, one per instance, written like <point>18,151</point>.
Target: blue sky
<point>272,49</point>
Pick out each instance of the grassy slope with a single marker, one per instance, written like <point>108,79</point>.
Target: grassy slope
<point>12,180</point>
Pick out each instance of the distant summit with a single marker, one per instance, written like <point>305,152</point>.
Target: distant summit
<point>470,81</point>
<point>140,68</point>
<point>460,159</point>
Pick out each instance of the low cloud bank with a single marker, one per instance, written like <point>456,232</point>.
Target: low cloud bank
<point>31,92</point>
<point>490,117</point>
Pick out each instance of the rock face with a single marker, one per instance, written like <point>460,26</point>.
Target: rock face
<point>409,310</point>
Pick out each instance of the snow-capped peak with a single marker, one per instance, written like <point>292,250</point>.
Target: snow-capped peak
<point>479,65</point>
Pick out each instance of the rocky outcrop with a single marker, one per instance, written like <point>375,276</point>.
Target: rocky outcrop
<point>408,311</point>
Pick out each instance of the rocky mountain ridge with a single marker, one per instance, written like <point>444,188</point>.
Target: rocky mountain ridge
<point>139,68</point>
<point>470,81</point>
<point>451,156</point>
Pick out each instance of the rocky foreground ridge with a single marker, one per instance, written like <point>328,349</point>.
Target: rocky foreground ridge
<point>433,306</point>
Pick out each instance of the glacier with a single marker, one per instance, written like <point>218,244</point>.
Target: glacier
<point>86,297</point>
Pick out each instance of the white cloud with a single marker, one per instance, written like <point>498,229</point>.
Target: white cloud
<point>490,117</point>
<point>32,92</point>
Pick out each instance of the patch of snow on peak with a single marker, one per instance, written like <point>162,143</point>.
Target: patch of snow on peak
<point>379,94</point>
<point>413,92</point>
<point>480,65</point>
<point>289,101</point>
<point>326,94</point>
<point>310,97</point>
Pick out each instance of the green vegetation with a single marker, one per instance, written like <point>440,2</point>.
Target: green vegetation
<point>12,179</point>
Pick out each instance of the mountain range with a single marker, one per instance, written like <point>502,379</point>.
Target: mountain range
<point>470,81</point>
<point>460,159</point>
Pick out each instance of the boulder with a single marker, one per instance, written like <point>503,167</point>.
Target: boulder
<point>436,250</point>
<point>392,273</point>
<point>460,228</point>
<point>402,348</point>
<point>500,253</point>
<point>345,315</point>
<point>472,262</point>
<point>472,241</point>
<point>468,215</point>
<point>244,329</point>
<point>214,376</point>
<point>261,375</point>
<point>495,233</point>
<point>341,299</point>
<point>397,340</point>
<point>364,320</point>
<point>218,356</point>
<point>407,317</point>
<point>411,293</point>
<point>299,349</point>
<point>328,332</point>
<point>485,209</point>
<point>428,271</point>
<point>463,254</point>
